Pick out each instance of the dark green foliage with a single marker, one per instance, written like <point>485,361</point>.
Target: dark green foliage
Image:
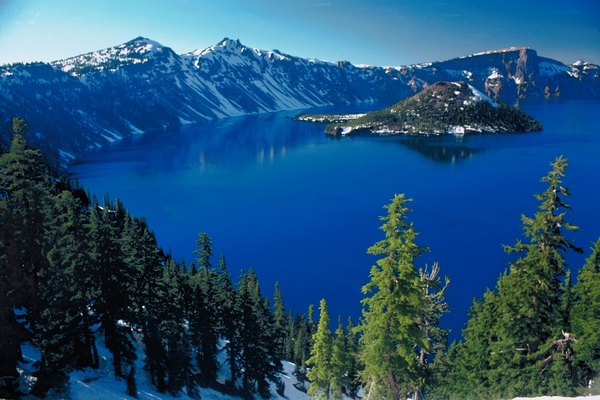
<point>340,363</point>
<point>280,322</point>
<point>204,315</point>
<point>354,366</point>
<point>226,299</point>
<point>256,333</point>
<point>585,321</point>
<point>68,264</point>
<point>437,109</point>
<point>319,362</point>
<point>393,309</point>
<point>522,339</point>
<point>24,212</point>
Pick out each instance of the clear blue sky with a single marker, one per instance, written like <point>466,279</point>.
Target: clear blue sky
<point>380,32</point>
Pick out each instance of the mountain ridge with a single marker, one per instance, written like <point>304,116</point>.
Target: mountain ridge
<point>93,99</point>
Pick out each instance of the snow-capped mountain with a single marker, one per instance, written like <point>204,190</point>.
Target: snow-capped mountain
<point>86,101</point>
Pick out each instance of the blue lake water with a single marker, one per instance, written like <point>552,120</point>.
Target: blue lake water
<point>302,208</point>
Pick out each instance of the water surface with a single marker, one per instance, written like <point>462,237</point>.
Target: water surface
<point>302,208</point>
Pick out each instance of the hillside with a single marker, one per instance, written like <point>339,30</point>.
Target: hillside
<point>444,107</point>
<point>91,100</point>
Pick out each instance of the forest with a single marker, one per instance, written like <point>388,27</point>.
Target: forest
<point>75,270</point>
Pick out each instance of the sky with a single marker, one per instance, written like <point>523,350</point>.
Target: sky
<point>377,32</point>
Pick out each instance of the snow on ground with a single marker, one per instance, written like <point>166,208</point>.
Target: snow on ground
<point>100,384</point>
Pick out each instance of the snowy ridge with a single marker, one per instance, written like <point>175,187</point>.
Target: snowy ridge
<point>93,99</point>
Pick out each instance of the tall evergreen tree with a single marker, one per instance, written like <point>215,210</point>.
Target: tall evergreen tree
<point>391,314</point>
<point>280,322</point>
<point>24,212</point>
<point>257,361</point>
<point>204,315</point>
<point>115,281</point>
<point>340,363</point>
<point>319,362</point>
<point>435,306</point>
<point>61,330</point>
<point>530,295</point>
<point>354,366</point>
<point>226,298</point>
<point>585,321</point>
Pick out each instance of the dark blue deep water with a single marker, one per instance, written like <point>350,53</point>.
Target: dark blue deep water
<point>302,208</point>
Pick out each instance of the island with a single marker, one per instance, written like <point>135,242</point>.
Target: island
<point>441,108</point>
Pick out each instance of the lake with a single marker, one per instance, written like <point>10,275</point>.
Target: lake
<point>302,208</point>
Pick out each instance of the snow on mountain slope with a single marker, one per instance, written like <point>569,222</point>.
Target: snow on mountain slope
<point>93,99</point>
<point>102,385</point>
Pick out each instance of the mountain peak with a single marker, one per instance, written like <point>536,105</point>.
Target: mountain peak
<point>230,43</point>
<point>136,51</point>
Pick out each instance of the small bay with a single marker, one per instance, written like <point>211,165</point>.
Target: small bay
<point>301,208</point>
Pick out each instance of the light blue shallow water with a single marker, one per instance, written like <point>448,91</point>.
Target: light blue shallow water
<point>302,208</point>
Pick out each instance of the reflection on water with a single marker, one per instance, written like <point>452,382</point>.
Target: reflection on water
<point>448,149</point>
<point>302,208</point>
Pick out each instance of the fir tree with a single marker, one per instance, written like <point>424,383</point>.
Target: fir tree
<point>354,367</point>
<point>257,361</point>
<point>204,314</point>
<point>280,322</point>
<point>319,362</point>
<point>530,295</point>
<point>340,363</point>
<point>391,314</point>
<point>116,282</point>
<point>61,330</point>
<point>24,200</point>
<point>229,316</point>
<point>585,320</point>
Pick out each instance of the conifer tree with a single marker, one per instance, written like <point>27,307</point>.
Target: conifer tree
<point>353,359</point>
<point>24,200</point>
<point>301,346</point>
<point>61,330</point>
<point>288,341</point>
<point>319,362</point>
<point>280,322</point>
<point>257,361</point>
<point>340,363</point>
<point>115,282</point>
<point>391,314</point>
<point>530,295</point>
<point>229,316</point>
<point>204,316</point>
<point>585,321</point>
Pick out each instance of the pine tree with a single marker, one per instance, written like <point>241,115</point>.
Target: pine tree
<point>354,367</point>
<point>319,362</point>
<point>24,200</point>
<point>204,316</point>
<point>61,330</point>
<point>257,361</point>
<point>435,306</point>
<point>280,322</point>
<point>288,341</point>
<point>530,295</point>
<point>229,316</point>
<point>301,346</point>
<point>115,281</point>
<point>340,363</point>
<point>391,314</point>
<point>585,320</point>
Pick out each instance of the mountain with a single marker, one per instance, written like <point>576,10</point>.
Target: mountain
<point>440,108</point>
<point>91,100</point>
